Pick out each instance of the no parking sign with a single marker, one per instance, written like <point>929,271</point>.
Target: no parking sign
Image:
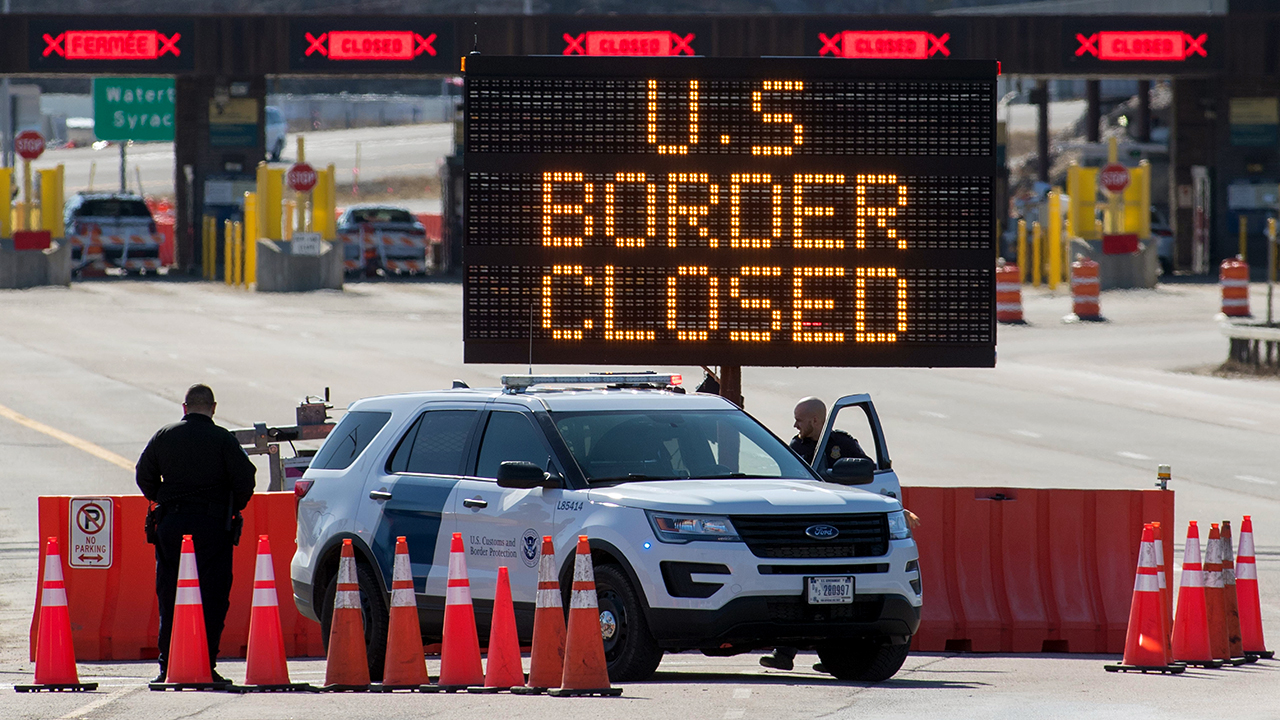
<point>91,521</point>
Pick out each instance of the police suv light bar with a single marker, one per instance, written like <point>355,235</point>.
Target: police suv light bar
<point>520,382</point>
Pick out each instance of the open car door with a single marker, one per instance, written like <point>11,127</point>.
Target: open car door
<point>856,416</point>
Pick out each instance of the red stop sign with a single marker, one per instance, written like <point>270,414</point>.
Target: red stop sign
<point>29,144</point>
<point>301,177</point>
<point>1114,178</point>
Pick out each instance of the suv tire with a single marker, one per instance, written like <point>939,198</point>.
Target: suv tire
<point>629,648</point>
<point>373,606</point>
<point>863,660</point>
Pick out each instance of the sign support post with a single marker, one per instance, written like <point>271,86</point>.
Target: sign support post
<point>26,194</point>
<point>124,177</point>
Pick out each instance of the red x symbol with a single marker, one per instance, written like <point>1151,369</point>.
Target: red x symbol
<point>424,45</point>
<point>830,44</point>
<point>574,44</point>
<point>53,45</point>
<point>681,44</point>
<point>1087,44</point>
<point>939,44</point>
<point>317,44</point>
<point>169,44</point>
<point>1195,45</point>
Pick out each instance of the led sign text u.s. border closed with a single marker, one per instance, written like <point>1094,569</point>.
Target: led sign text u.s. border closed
<point>761,212</point>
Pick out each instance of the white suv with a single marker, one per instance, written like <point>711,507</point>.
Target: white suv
<point>707,532</point>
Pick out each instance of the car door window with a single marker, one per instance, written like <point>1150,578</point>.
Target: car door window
<point>435,444</point>
<point>851,432</point>
<point>510,436</point>
<point>352,435</point>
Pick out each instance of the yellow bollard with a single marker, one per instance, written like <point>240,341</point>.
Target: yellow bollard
<point>250,239</point>
<point>1244,238</point>
<point>227,252</point>
<point>1022,251</point>
<point>208,240</point>
<point>1036,261</point>
<point>6,202</point>
<point>302,197</point>
<point>287,227</point>
<point>239,229</point>
<point>1055,239</point>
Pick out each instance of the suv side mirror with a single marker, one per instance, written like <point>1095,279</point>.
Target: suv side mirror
<point>853,471</point>
<point>525,475</point>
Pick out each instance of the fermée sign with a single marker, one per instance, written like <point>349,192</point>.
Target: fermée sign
<point>111,44</point>
<point>776,211</point>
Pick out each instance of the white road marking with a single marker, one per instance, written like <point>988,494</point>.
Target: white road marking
<point>1026,433</point>
<point>100,702</point>
<point>1246,421</point>
<point>930,413</point>
<point>1255,479</point>
<point>741,693</point>
<point>1132,455</point>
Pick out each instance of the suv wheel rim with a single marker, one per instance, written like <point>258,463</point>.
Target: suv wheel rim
<point>608,625</point>
<point>613,622</point>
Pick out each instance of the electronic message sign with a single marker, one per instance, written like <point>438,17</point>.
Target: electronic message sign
<point>1178,46</point>
<point>628,37</point>
<point>774,211</point>
<point>111,44</point>
<point>876,38</point>
<point>371,45</point>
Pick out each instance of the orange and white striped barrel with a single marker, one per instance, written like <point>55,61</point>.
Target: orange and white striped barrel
<point>1233,275</point>
<point>1085,287</point>
<point>1008,294</point>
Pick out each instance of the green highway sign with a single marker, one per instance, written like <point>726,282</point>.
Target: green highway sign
<point>138,109</point>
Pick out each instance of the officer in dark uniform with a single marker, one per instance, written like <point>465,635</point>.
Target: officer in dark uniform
<point>201,478</point>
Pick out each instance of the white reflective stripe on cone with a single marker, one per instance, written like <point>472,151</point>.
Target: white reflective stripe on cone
<point>53,568</point>
<point>457,566</point>
<point>1228,577</point>
<point>187,595</point>
<point>264,571</point>
<point>347,571</point>
<point>582,570</point>
<point>403,597</point>
<point>1008,287</point>
<point>1163,584</point>
<point>1213,579</point>
<point>53,597</point>
<point>1246,571</point>
<point>1147,555</point>
<point>1246,547</point>
<point>547,569</point>
<point>583,599</point>
<point>187,567</point>
<point>1084,281</point>
<point>548,599</point>
<point>457,595</point>
<point>1234,283</point>
<point>1084,299</point>
<point>401,569</point>
<point>1146,583</point>
<point>1192,578</point>
<point>265,597</point>
<point>1008,307</point>
<point>1235,302</point>
<point>347,599</point>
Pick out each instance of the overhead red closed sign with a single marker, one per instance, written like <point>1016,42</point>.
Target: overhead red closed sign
<point>301,177</point>
<point>1114,178</point>
<point>29,144</point>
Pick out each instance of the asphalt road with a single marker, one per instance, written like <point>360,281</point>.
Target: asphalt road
<point>1094,406</point>
<point>410,150</point>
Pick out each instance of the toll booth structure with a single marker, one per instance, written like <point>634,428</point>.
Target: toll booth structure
<point>1225,73</point>
<point>34,247</point>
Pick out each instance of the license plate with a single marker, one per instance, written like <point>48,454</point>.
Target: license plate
<point>831,590</point>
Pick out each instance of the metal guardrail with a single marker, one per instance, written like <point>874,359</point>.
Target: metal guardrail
<point>1257,345</point>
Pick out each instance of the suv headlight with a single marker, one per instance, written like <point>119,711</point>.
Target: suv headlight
<point>898,529</point>
<point>672,528</point>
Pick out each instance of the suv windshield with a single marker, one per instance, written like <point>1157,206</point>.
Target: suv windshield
<point>380,215</point>
<point>667,445</point>
<point>113,208</point>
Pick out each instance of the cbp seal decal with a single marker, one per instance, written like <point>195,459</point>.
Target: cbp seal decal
<point>529,547</point>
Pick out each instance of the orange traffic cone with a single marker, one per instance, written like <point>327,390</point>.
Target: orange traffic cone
<point>1191,624</point>
<point>1214,589</point>
<point>585,670</point>
<point>1247,595</point>
<point>1144,648</point>
<point>347,666</point>
<point>55,654</point>
<point>503,670</point>
<point>1231,604</point>
<point>460,651</point>
<point>189,667</point>
<point>1166,598</point>
<point>266,667</point>
<point>406,665</point>
<point>546,662</point>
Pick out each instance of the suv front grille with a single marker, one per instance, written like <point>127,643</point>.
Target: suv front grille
<point>863,609</point>
<point>783,536</point>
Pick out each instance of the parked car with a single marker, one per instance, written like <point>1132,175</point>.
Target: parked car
<point>119,223</point>
<point>276,129</point>
<point>1162,236</point>
<point>707,532</point>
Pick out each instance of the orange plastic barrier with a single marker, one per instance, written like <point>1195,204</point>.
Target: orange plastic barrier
<point>1233,276</point>
<point>1029,570</point>
<point>114,611</point>
<point>434,224</point>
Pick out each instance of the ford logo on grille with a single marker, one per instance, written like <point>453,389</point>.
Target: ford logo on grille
<point>822,532</point>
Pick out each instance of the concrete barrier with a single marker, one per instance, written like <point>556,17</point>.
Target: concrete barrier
<point>279,270</point>
<point>1123,272</point>
<point>34,268</point>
